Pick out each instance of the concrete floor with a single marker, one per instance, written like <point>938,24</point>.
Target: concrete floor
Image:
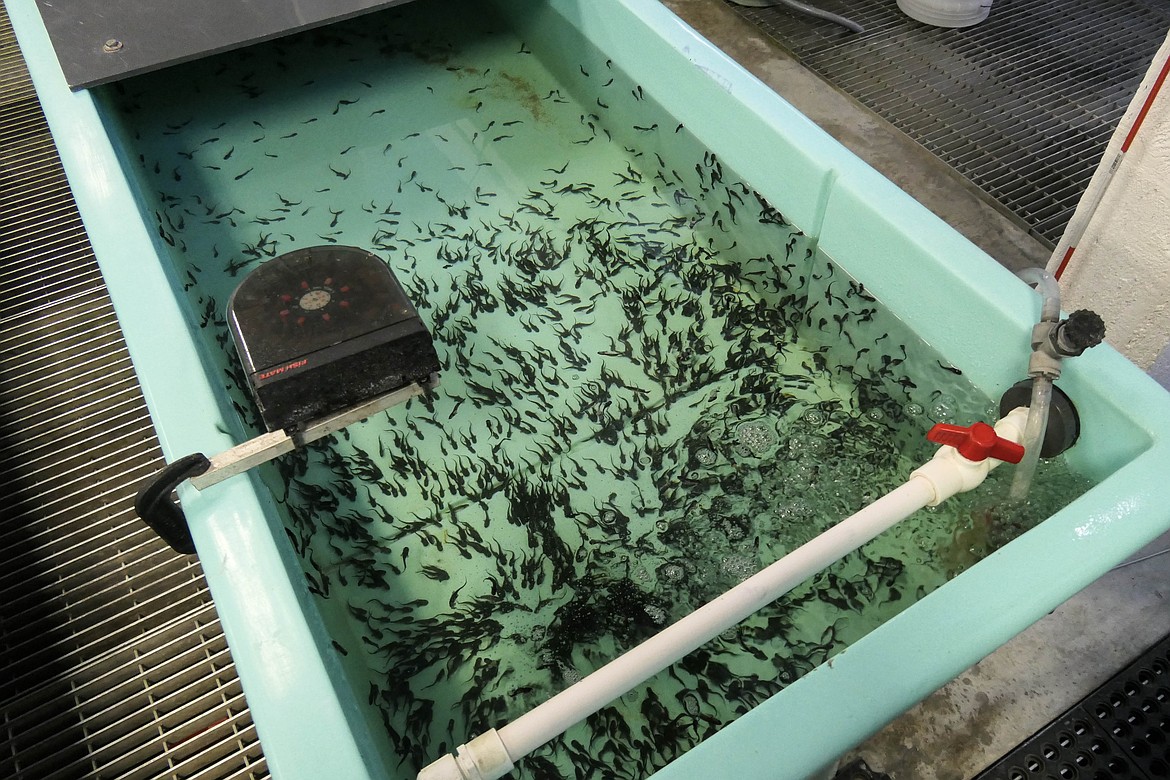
<point>1011,694</point>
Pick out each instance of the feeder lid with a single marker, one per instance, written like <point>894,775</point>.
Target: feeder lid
<point>324,329</point>
<point>310,299</point>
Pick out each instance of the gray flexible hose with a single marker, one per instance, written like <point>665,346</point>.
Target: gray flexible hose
<point>806,9</point>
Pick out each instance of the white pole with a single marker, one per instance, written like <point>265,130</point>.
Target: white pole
<point>491,755</point>
<point>639,664</point>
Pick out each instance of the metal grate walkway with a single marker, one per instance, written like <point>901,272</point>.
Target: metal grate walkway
<point>1022,105</point>
<point>112,661</point>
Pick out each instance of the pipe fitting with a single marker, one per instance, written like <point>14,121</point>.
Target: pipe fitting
<point>949,472</point>
<point>1045,359</point>
<point>489,756</point>
<point>1070,337</point>
<point>483,758</point>
<point>1045,284</point>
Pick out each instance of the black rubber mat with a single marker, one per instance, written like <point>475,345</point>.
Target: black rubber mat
<point>1022,105</point>
<point>1121,730</point>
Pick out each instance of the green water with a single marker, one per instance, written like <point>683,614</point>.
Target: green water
<point>652,384</point>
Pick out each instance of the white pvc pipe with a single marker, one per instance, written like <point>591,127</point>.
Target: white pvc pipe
<point>491,755</point>
<point>598,689</point>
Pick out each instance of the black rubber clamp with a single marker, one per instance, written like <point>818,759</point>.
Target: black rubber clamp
<point>159,511</point>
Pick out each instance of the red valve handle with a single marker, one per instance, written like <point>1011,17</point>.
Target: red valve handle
<point>977,442</point>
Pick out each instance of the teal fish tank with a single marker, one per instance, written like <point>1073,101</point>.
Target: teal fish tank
<point>681,333</point>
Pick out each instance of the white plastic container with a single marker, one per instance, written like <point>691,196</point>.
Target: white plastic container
<point>947,13</point>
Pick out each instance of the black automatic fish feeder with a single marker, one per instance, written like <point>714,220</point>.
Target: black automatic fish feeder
<point>326,337</point>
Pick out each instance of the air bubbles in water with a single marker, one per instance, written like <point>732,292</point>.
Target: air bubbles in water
<point>705,457</point>
<point>607,517</point>
<point>672,572</point>
<point>757,436</point>
<point>662,526</point>
<point>912,409</point>
<point>793,511</point>
<point>737,566</point>
<point>875,414</point>
<point>656,614</point>
<point>805,444</point>
<point>569,674</point>
<point>943,409</point>
<point>734,528</point>
<point>815,418</point>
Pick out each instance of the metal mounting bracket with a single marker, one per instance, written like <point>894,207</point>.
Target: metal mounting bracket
<point>159,511</point>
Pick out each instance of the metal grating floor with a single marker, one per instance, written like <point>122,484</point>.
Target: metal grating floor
<point>112,661</point>
<point>1022,105</point>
